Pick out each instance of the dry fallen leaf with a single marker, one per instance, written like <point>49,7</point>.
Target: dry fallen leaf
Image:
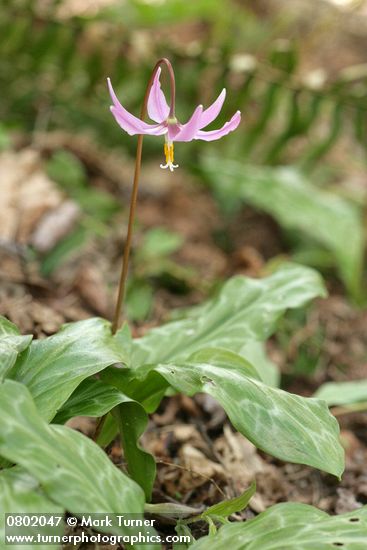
<point>54,225</point>
<point>32,209</point>
<point>199,465</point>
<point>26,194</point>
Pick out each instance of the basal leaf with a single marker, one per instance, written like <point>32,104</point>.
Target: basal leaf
<point>245,310</point>
<point>141,384</point>
<point>108,431</point>
<point>91,398</point>
<point>7,328</point>
<point>20,493</point>
<point>343,393</point>
<point>287,426</point>
<point>11,344</point>
<point>292,526</point>
<point>132,421</point>
<point>297,204</point>
<point>222,358</point>
<point>52,368</point>
<point>96,398</point>
<point>73,471</point>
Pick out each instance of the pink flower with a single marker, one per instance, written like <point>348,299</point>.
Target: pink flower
<point>167,124</point>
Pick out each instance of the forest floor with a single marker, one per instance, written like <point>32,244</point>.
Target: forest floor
<point>200,458</point>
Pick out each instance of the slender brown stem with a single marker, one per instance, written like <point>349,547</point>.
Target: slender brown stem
<point>134,194</point>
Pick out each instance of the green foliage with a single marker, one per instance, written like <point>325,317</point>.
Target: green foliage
<point>20,492</point>
<point>67,247</point>
<point>139,299</point>
<point>52,368</point>
<point>246,310</point>
<point>96,398</point>
<point>67,170</point>
<point>132,420</point>
<point>152,264</point>
<point>272,419</point>
<point>63,461</point>
<point>5,141</point>
<point>97,207</point>
<point>11,344</point>
<point>226,508</point>
<point>308,356</point>
<point>146,14</point>
<point>297,205</point>
<point>291,525</point>
<point>55,70</point>
<point>343,393</point>
<point>158,243</point>
<point>206,351</point>
<point>255,353</point>
<point>92,398</point>
<point>54,75</point>
<point>219,513</point>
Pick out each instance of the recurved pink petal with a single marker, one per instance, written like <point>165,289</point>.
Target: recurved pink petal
<point>158,109</point>
<point>213,111</point>
<point>133,125</point>
<point>130,123</point>
<point>217,134</point>
<point>189,130</point>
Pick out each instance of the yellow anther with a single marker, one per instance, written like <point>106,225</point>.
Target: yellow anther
<point>168,151</point>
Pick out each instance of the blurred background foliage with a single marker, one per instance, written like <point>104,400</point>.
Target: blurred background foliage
<point>297,72</point>
<point>55,61</point>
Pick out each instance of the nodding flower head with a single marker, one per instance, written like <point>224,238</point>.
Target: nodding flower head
<point>167,124</point>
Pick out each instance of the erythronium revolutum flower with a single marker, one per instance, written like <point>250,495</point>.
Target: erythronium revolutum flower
<point>167,124</point>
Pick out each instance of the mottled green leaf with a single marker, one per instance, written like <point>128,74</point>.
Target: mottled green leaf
<point>343,393</point>
<point>91,398</point>
<point>299,205</point>
<point>245,310</point>
<point>11,344</point>
<point>96,398</point>
<point>287,426</point>
<point>52,368</point>
<point>223,358</point>
<point>292,526</point>
<point>72,470</point>
<point>20,493</point>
